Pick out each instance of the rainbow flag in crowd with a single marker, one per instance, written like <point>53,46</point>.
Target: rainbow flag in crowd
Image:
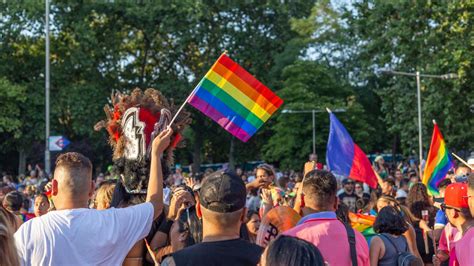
<point>363,223</point>
<point>235,99</point>
<point>438,163</point>
<point>344,157</point>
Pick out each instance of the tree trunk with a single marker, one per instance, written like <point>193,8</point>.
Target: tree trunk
<point>21,161</point>
<point>231,154</point>
<point>394,149</point>
<point>196,167</point>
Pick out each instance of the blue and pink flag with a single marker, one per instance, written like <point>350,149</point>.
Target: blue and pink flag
<point>344,157</point>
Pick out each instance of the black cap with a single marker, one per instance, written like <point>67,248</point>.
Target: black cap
<point>348,181</point>
<point>222,192</point>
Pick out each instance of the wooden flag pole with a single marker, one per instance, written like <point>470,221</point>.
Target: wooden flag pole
<point>192,93</point>
<point>462,161</point>
<point>182,106</point>
<point>150,251</point>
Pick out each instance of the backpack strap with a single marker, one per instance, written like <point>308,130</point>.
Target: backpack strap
<point>391,242</point>
<point>352,243</point>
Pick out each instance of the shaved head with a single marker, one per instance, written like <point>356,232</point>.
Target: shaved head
<point>222,219</point>
<point>73,173</point>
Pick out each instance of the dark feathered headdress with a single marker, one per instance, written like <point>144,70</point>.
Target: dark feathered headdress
<point>132,122</point>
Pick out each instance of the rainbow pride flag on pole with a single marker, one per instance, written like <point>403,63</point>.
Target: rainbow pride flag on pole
<point>235,99</point>
<point>438,163</point>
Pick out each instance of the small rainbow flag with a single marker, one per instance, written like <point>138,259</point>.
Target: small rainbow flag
<point>438,163</point>
<point>235,99</point>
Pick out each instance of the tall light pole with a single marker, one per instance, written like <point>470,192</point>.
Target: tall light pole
<point>418,89</point>
<point>313,112</point>
<point>47,158</point>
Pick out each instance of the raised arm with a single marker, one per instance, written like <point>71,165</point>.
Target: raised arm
<point>155,183</point>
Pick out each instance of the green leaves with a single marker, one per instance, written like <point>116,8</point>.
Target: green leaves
<point>11,98</point>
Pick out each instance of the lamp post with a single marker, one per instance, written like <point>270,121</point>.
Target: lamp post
<point>47,158</point>
<point>417,75</point>
<point>313,113</point>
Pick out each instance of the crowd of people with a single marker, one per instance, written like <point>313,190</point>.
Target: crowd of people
<point>215,218</point>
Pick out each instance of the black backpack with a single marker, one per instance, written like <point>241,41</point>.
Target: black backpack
<point>404,258</point>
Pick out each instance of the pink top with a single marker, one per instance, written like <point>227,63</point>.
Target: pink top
<point>448,238</point>
<point>464,249</point>
<point>449,235</point>
<point>330,236</point>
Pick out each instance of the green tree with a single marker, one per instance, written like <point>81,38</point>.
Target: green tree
<point>428,37</point>
<point>309,85</point>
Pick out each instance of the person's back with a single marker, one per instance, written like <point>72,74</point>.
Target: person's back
<point>83,236</point>
<point>329,235</point>
<point>227,252</point>
<point>76,235</point>
<point>320,225</point>
<point>392,244</point>
<point>222,207</point>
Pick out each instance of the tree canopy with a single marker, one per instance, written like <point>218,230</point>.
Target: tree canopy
<point>313,54</point>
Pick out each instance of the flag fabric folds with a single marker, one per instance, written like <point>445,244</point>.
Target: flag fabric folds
<point>234,99</point>
<point>438,163</point>
<point>344,157</point>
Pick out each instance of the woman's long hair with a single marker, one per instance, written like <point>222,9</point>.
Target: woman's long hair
<point>8,253</point>
<point>419,200</point>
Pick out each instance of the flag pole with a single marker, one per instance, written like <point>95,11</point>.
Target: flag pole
<point>462,161</point>
<point>192,93</point>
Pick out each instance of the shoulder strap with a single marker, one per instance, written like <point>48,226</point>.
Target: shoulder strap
<point>352,243</point>
<point>391,242</point>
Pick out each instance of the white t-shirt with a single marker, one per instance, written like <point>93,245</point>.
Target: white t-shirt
<point>83,236</point>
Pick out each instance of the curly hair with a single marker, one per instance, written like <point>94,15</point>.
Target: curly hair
<point>419,200</point>
<point>390,221</point>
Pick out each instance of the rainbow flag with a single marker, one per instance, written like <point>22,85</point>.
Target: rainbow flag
<point>438,163</point>
<point>364,224</point>
<point>233,98</point>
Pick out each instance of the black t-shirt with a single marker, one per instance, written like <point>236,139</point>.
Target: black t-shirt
<point>349,200</point>
<point>227,252</point>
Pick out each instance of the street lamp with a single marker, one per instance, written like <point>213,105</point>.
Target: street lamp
<point>47,155</point>
<point>313,112</point>
<point>418,87</point>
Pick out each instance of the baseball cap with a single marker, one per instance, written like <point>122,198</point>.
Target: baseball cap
<point>401,194</point>
<point>222,192</point>
<point>348,181</point>
<point>456,195</point>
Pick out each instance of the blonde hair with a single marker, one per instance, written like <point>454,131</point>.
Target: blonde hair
<point>104,194</point>
<point>8,251</point>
